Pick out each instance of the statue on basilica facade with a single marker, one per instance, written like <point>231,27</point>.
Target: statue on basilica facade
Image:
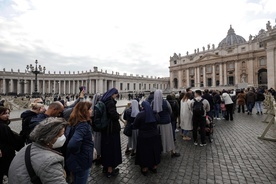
<point>250,38</point>
<point>187,53</point>
<point>268,26</point>
<point>243,78</point>
<point>208,46</point>
<point>203,48</point>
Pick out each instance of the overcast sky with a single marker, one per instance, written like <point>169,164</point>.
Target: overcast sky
<point>126,36</point>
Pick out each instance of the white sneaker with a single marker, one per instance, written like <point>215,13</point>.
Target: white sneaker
<point>215,117</point>
<point>176,130</point>
<point>218,119</point>
<point>195,143</point>
<point>201,145</point>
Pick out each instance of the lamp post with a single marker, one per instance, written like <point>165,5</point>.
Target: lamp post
<point>35,70</point>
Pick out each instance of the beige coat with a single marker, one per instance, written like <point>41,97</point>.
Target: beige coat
<point>186,115</point>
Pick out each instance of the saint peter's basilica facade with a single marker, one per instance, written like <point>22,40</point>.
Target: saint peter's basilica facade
<point>235,63</point>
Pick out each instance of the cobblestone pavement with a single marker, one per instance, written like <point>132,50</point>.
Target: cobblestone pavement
<point>235,156</point>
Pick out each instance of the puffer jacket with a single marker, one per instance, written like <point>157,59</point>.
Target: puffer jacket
<point>47,164</point>
<point>79,153</point>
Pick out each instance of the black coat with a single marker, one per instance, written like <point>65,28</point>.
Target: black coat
<point>9,142</point>
<point>112,114</point>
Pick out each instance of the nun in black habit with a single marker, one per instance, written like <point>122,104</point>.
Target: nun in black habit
<point>110,140</point>
<point>149,146</point>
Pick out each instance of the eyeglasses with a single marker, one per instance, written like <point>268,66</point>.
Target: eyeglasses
<point>40,102</point>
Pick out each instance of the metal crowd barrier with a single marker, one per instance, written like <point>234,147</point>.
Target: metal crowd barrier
<point>270,104</point>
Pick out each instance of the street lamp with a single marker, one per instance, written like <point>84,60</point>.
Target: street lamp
<point>35,70</point>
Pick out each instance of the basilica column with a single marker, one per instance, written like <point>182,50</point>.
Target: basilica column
<point>220,74</point>
<point>187,77</point>
<point>250,72</point>
<point>171,80</point>
<point>225,73</point>
<point>204,76</point>
<point>197,77</point>
<point>213,76</point>
<point>180,72</point>
<point>271,60</point>
<point>236,73</point>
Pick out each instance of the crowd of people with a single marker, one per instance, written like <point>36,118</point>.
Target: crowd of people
<point>59,144</point>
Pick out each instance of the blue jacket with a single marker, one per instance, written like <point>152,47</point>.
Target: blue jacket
<point>37,119</point>
<point>79,153</point>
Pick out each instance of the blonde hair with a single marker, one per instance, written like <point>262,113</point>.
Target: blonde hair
<point>35,105</point>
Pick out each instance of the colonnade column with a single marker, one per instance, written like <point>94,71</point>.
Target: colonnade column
<point>25,86</point>
<point>43,87</point>
<point>18,86</point>
<point>74,87</point>
<point>54,86</point>
<point>69,87</point>
<point>225,74</point>
<point>32,86</point>
<point>90,86</point>
<point>220,74</point>
<point>64,87</point>
<point>97,86</point>
<point>59,86</point>
<point>213,76</point>
<point>11,85</point>
<point>4,85</point>
<point>49,86</point>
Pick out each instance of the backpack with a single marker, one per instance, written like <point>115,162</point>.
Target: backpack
<point>198,108</point>
<point>100,119</point>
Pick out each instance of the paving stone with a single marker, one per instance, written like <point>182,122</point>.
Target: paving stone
<point>235,156</point>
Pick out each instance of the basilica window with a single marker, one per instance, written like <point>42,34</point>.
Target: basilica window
<point>121,86</point>
<point>208,69</point>
<point>209,82</point>
<point>201,71</point>
<point>231,66</point>
<point>217,68</point>
<point>262,62</point>
<point>175,62</point>
<point>192,71</point>
<point>134,86</point>
<point>243,64</point>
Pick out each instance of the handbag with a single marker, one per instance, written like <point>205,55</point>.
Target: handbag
<point>128,130</point>
<point>222,106</point>
<point>34,178</point>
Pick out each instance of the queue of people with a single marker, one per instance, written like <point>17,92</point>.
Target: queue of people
<point>57,144</point>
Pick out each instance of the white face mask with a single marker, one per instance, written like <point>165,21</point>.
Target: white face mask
<point>59,142</point>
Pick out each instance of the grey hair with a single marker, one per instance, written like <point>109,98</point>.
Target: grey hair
<point>47,130</point>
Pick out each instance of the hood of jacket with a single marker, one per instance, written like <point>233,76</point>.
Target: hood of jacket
<point>27,113</point>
